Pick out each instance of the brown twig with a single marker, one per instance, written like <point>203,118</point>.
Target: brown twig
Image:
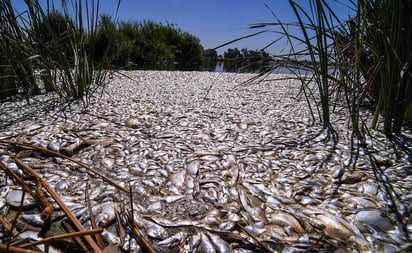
<point>61,237</point>
<point>58,200</point>
<point>255,239</point>
<point>46,206</point>
<point>66,225</point>
<point>138,234</point>
<point>97,236</point>
<point>87,167</point>
<point>135,228</point>
<point>14,249</point>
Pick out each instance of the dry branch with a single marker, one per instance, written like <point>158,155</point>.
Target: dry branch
<point>138,234</point>
<point>46,206</point>
<point>66,225</point>
<point>87,167</point>
<point>61,237</point>
<point>98,237</point>
<point>14,249</point>
<point>58,200</point>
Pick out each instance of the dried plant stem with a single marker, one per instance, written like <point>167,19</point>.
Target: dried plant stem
<point>47,207</point>
<point>138,234</point>
<point>87,167</point>
<point>66,225</point>
<point>97,236</point>
<point>62,236</point>
<point>58,200</point>
<point>14,249</point>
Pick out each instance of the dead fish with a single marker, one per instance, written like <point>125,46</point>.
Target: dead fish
<point>206,244</point>
<point>173,198</point>
<point>256,213</point>
<point>174,240</point>
<point>152,229</point>
<point>111,237</point>
<point>256,230</point>
<point>335,227</point>
<point>170,223</point>
<point>4,191</point>
<point>227,225</point>
<point>33,219</point>
<point>193,168</point>
<point>373,218</point>
<point>106,215</point>
<point>221,245</point>
<point>285,219</point>
<point>14,198</point>
<point>131,245</point>
<point>33,236</point>
<point>3,203</point>
<point>191,244</point>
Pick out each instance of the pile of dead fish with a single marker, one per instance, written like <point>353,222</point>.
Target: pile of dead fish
<point>211,166</point>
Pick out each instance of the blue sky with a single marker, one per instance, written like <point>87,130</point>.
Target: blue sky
<point>214,22</point>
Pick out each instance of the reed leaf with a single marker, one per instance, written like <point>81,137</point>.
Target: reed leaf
<point>54,46</point>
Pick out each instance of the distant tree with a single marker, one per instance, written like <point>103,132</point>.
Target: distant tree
<point>211,55</point>
<point>160,44</point>
<point>189,50</point>
<point>232,53</point>
<point>111,46</point>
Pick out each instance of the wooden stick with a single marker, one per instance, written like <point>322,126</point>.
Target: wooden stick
<point>138,234</point>
<point>87,167</point>
<point>46,206</point>
<point>97,236</point>
<point>62,236</point>
<point>66,225</point>
<point>58,200</point>
<point>14,249</point>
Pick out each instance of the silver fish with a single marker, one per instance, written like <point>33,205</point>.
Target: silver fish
<point>206,244</point>
<point>174,240</point>
<point>110,237</point>
<point>33,219</point>
<point>221,245</point>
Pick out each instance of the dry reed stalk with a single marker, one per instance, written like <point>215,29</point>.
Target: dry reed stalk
<point>66,225</point>
<point>138,234</point>
<point>58,200</point>
<point>14,249</point>
<point>46,206</point>
<point>87,167</point>
<point>62,236</point>
<point>97,236</point>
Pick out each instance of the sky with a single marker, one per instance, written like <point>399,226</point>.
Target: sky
<point>214,22</point>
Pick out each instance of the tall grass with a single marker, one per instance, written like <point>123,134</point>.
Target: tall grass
<point>45,50</point>
<point>362,59</point>
<point>391,23</point>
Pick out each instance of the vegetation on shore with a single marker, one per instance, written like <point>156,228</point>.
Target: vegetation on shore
<point>44,50</point>
<point>72,51</point>
<point>362,60</point>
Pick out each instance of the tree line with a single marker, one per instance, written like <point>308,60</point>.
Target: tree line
<point>133,44</point>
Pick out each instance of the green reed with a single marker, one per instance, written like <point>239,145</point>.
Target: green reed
<point>370,53</point>
<point>45,49</point>
<point>358,61</point>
